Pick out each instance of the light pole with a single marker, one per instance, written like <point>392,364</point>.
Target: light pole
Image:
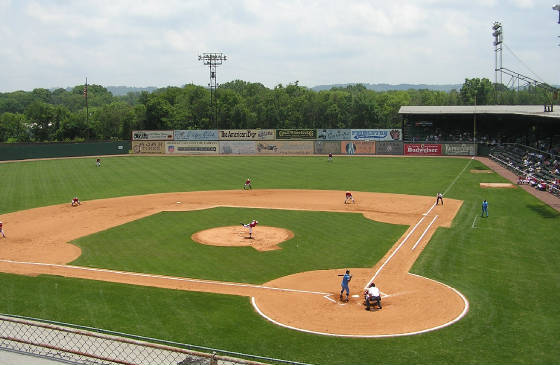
<point>212,60</point>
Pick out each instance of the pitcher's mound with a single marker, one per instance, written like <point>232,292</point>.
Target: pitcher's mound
<point>264,238</point>
<point>496,185</point>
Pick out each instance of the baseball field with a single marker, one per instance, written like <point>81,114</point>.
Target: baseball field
<point>484,290</point>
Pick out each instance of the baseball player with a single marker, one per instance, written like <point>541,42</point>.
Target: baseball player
<point>2,230</point>
<point>251,225</point>
<point>344,284</point>
<point>349,198</point>
<point>98,162</point>
<point>439,198</point>
<point>372,294</point>
<point>75,201</point>
<point>330,156</point>
<point>485,208</point>
<point>247,184</point>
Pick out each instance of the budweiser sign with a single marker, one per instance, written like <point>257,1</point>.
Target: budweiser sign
<point>422,149</point>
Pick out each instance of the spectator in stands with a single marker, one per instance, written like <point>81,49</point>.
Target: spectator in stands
<point>542,186</point>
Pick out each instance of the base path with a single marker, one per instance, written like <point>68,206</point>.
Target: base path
<point>38,239</point>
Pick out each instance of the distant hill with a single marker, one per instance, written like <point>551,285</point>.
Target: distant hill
<point>387,87</point>
<point>123,90</point>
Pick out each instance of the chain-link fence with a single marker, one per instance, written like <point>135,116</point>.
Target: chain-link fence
<point>86,345</point>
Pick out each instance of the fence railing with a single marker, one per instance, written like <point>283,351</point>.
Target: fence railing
<point>87,345</point>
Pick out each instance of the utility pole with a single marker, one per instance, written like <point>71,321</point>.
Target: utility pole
<point>213,60</point>
<point>87,109</point>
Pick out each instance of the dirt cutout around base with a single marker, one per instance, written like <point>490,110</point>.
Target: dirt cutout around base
<point>264,238</point>
<point>38,239</point>
<point>482,172</point>
<point>497,185</point>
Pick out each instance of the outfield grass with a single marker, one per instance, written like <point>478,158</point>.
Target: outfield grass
<point>508,266</point>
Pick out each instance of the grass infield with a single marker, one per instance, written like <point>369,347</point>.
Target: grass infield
<point>507,265</point>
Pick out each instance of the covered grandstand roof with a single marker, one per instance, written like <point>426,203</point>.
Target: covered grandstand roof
<point>527,110</point>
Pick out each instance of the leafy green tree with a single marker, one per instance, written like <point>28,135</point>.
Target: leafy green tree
<point>13,128</point>
<point>158,111</point>
<point>477,91</point>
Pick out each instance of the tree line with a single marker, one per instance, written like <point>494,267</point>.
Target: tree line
<point>44,115</point>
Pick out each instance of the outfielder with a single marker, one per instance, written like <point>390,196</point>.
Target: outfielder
<point>349,198</point>
<point>2,230</point>
<point>344,284</point>
<point>250,226</point>
<point>98,162</point>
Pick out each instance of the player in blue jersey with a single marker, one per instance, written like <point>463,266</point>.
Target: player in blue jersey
<point>345,280</point>
<point>485,208</point>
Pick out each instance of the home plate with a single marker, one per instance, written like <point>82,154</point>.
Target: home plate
<point>178,202</point>
<point>355,296</point>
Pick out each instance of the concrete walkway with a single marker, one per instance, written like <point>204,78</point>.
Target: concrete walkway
<point>11,358</point>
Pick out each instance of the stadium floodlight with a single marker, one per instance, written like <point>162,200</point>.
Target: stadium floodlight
<point>497,34</point>
<point>212,60</point>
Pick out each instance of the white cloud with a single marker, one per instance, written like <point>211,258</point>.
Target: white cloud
<point>47,43</point>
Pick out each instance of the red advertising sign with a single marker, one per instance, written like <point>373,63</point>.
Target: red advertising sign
<point>423,149</point>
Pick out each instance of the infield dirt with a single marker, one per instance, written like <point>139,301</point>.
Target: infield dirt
<point>38,239</point>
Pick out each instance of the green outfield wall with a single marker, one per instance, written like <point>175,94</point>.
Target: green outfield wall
<point>23,151</point>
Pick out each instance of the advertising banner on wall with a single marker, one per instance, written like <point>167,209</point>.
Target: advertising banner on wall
<point>334,134</point>
<point>357,147</point>
<point>148,147</point>
<point>376,135</point>
<point>285,147</point>
<point>459,149</point>
<point>152,135</point>
<point>238,147</point>
<point>195,135</point>
<point>423,149</point>
<point>246,134</point>
<point>326,147</point>
<point>192,147</point>
<point>389,148</point>
<point>296,134</point>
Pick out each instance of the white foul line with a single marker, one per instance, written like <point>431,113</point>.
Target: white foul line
<point>429,210</point>
<point>457,178</point>
<point>424,215</point>
<point>212,282</point>
<point>424,233</point>
<point>394,252</point>
<point>473,222</point>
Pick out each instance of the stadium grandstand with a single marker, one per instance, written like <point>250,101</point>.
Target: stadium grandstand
<point>523,138</point>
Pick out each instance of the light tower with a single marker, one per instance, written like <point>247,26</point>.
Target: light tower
<point>213,60</point>
<point>498,41</point>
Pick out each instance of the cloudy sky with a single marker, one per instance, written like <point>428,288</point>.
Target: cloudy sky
<point>57,43</point>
